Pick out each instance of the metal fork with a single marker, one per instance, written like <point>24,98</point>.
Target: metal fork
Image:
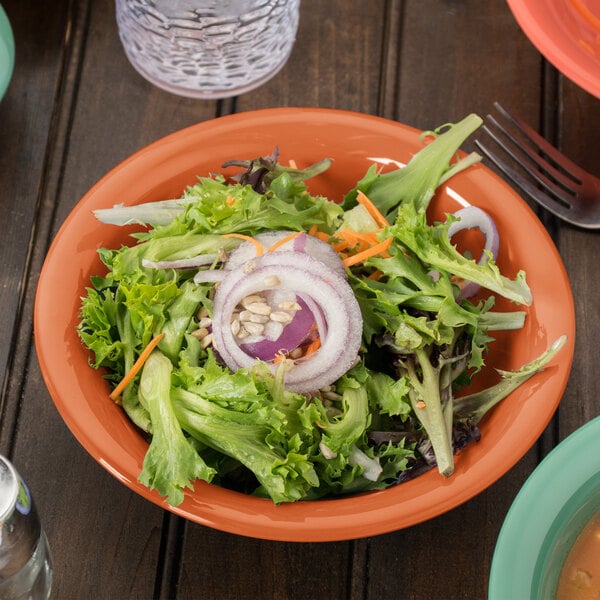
<point>541,171</point>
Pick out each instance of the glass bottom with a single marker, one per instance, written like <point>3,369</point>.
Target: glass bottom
<point>208,93</point>
<point>34,580</point>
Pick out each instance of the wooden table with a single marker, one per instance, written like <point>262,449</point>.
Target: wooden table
<point>76,108</point>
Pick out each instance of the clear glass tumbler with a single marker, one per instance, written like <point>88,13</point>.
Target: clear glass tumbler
<point>25,559</point>
<point>208,49</point>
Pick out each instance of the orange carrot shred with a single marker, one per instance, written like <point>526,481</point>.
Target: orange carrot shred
<point>379,248</point>
<point>230,200</point>
<point>373,210</point>
<point>283,240</point>
<point>259,247</point>
<point>357,239</point>
<point>313,347</point>
<point>376,275</point>
<point>314,231</point>
<point>278,358</point>
<point>137,365</point>
<point>340,246</point>
<point>321,236</point>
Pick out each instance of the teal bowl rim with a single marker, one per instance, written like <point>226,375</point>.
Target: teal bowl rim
<point>554,504</point>
<point>7,52</point>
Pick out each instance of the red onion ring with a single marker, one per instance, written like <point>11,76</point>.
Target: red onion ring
<point>303,243</point>
<point>182,263</point>
<point>210,276</point>
<point>472,217</point>
<point>292,336</point>
<point>340,328</point>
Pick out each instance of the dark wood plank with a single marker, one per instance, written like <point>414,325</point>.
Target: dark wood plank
<point>248,568</point>
<point>335,63</point>
<point>25,118</point>
<point>456,58</point>
<point>578,116</point>
<point>76,108</point>
<point>117,112</point>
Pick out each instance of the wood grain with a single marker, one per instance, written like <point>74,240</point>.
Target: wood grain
<point>76,108</point>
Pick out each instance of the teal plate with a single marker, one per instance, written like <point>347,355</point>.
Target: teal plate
<point>7,52</point>
<point>549,512</point>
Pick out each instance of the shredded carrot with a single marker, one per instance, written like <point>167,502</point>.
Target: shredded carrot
<point>259,247</point>
<point>312,347</point>
<point>373,210</point>
<point>230,200</point>
<point>278,358</point>
<point>341,246</point>
<point>379,248</point>
<point>375,275</point>
<point>322,236</point>
<point>362,240</point>
<point>283,240</point>
<point>137,365</point>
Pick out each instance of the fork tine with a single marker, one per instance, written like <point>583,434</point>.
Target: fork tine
<point>544,166</point>
<point>561,191</point>
<point>565,164</point>
<point>545,200</point>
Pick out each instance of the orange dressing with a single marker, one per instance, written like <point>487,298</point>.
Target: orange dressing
<point>580,576</point>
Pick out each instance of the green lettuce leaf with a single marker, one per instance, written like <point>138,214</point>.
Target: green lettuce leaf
<point>171,463</point>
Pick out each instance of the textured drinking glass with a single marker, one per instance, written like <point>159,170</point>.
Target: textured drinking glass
<point>208,49</point>
<point>25,560</point>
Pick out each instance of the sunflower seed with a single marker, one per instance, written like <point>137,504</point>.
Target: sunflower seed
<point>281,316</point>
<point>259,308</point>
<point>200,333</point>
<point>289,305</point>
<point>248,315</point>
<point>242,333</point>
<point>207,340</point>
<point>205,322</point>
<point>254,328</point>
<point>235,326</point>
<point>251,299</point>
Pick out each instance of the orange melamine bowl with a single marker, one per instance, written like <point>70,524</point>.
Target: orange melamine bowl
<point>567,33</point>
<point>355,141</point>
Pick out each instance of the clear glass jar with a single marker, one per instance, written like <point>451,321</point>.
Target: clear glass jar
<point>25,559</point>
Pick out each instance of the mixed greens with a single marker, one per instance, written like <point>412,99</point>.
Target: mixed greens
<point>366,292</point>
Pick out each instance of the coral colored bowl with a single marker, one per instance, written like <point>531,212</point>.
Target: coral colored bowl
<point>567,33</point>
<point>355,141</point>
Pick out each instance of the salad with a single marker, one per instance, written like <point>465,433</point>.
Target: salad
<point>285,345</point>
